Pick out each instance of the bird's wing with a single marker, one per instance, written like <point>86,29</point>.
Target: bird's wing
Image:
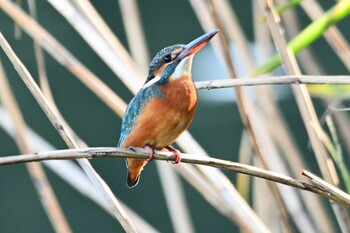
<point>134,109</point>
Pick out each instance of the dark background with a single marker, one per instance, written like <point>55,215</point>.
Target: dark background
<point>217,125</point>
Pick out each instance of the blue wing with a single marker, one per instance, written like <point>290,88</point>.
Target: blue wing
<point>134,110</point>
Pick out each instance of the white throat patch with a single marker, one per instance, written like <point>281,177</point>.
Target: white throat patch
<point>185,66</point>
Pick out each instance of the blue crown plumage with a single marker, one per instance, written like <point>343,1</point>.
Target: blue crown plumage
<point>158,59</point>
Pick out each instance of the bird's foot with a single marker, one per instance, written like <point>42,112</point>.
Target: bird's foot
<point>151,152</point>
<point>176,153</point>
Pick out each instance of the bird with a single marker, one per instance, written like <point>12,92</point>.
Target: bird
<point>164,107</point>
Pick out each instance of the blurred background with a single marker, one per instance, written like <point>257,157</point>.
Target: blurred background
<point>217,126</point>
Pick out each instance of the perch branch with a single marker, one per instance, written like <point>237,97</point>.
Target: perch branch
<point>326,186</point>
<point>140,153</point>
<point>276,80</point>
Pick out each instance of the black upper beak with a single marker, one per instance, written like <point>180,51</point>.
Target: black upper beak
<point>197,44</point>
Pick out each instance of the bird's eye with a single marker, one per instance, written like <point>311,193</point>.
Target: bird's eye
<point>167,58</point>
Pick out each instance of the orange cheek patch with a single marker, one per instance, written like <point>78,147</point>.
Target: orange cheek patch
<point>159,72</point>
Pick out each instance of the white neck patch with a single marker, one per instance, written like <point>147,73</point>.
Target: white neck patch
<point>150,82</point>
<point>185,66</point>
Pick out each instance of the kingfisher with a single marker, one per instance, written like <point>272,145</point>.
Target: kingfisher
<point>164,107</point>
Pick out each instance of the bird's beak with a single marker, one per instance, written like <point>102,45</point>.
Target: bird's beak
<point>197,44</point>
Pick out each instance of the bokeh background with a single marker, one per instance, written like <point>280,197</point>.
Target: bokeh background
<point>217,125</point>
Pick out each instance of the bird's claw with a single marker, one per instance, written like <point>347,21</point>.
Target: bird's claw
<point>151,152</point>
<point>176,153</point>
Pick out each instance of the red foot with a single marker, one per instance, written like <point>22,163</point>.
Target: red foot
<point>151,152</point>
<point>176,153</point>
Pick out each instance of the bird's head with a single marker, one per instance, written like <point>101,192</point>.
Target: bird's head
<point>176,60</point>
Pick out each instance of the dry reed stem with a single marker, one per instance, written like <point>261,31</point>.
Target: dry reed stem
<point>234,32</point>
<point>203,14</point>
<point>63,56</point>
<point>178,208</point>
<point>113,101</point>
<point>244,107</point>
<point>304,102</point>
<point>40,58</point>
<point>96,33</point>
<point>56,121</point>
<point>215,187</point>
<point>245,156</point>
<point>236,36</point>
<point>245,216</point>
<point>284,140</point>
<point>70,172</point>
<point>46,194</point>
<point>140,153</point>
<point>170,182</point>
<point>326,186</point>
<point>134,32</point>
<point>291,23</point>
<point>333,35</point>
<point>302,96</point>
<point>275,80</point>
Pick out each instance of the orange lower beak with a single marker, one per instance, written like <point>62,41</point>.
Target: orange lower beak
<point>197,44</point>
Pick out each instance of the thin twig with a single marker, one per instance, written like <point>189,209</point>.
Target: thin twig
<point>230,199</point>
<point>313,209</point>
<point>46,194</point>
<point>63,56</point>
<point>276,80</point>
<point>244,108</point>
<point>340,212</point>
<point>312,32</point>
<point>40,58</point>
<point>134,32</point>
<point>332,190</point>
<point>235,32</point>
<point>70,172</point>
<point>56,121</point>
<point>89,28</point>
<point>140,153</point>
<point>303,100</point>
<point>178,208</point>
<point>333,35</point>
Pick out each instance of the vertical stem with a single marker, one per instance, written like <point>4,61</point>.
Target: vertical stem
<point>304,102</point>
<point>47,195</point>
<point>243,110</point>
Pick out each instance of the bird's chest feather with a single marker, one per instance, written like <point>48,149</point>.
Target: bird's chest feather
<point>164,118</point>
<point>179,96</point>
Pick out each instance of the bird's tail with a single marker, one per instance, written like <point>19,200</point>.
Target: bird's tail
<point>132,182</point>
<point>134,168</point>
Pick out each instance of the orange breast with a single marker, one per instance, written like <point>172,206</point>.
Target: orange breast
<point>164,119</point>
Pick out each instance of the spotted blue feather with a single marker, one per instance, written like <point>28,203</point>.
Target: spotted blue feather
<point>135,108</point>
